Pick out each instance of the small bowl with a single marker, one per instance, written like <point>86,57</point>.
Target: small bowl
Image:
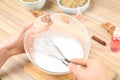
<point>72,38</point>
<point>34,4</point>
<point>73,10</point>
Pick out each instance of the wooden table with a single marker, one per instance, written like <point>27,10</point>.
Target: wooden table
<point>13,16</point>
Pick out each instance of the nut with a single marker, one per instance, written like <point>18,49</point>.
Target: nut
<point>65,18</point>
<point>59,11</point>
<point>37,13</point>
<point>109,27</point>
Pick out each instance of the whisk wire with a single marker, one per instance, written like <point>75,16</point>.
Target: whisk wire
<point>52,49</point>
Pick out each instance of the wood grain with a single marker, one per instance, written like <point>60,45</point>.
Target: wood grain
<point>13,16</point>
<point>39,75</point>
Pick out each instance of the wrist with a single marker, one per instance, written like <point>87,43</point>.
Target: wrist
<point>9,51</point>
<point>12,51</point>
<point>4,55</point>
<point>15,50</point>
<point>6,51</point>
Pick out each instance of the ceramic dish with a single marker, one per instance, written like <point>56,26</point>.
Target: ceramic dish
<point>69,35</point>
<point>33,5</point>
<point>73,10</point>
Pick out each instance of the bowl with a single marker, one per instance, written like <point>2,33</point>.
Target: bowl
<point>73,10</point>
<point>69,35</point>
<point>33,5</point>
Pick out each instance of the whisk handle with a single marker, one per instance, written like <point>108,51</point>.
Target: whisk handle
<point>66,62</point>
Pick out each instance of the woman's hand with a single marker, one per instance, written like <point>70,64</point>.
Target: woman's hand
<point>89,70</point>
<point>14,44</point>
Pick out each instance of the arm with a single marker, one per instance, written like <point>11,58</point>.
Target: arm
<point>4,55</point>
<point>13,45</point>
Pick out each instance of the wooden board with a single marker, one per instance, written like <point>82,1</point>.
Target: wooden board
<point>37,74</point>
<point>40,75</point>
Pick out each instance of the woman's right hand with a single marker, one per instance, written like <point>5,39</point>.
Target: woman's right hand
<point>89,70</point>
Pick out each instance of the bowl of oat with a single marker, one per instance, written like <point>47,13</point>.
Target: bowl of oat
<point>66,36</point>
<point>73,6</point>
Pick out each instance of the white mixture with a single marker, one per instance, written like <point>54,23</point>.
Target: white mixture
<point>70,47</point>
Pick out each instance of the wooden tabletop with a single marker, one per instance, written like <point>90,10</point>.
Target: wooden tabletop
<point>13,16</point>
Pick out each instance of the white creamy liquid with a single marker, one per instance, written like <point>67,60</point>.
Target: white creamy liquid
<point>70,48</point>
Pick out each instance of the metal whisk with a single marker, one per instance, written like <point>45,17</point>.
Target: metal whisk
<point>53,50</point>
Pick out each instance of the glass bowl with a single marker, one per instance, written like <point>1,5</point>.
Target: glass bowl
<point>69,35</point>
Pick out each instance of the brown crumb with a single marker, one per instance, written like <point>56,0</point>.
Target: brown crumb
<point>65,18</point>
<point>109,27</point>
<point>111,31</point>
<point>59,11</point>
<point>37,13</point>
<point>113,27</point>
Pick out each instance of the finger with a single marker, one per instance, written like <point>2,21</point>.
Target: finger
<point>23,30</point>
<point>34,31</point>
<point>27,26</point>
<point>74,69</point>
<point>83,62</point>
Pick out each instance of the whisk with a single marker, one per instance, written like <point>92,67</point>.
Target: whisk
<point>53,50</point>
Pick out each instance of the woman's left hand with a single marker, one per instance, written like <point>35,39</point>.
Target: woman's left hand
<point>15,44</point>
